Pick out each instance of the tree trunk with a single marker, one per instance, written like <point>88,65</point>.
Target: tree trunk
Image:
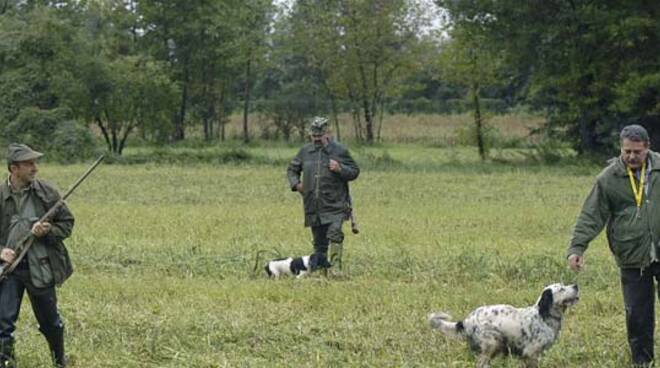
<point>246,105</point>
<point>369,121</point>
<point>357,123</point>
<point>113,133</point>
<point>122,143</point>
<point>478,122</point>
<point>368,116</point>
<point>207,133</point>
<point>380,120</point>
<point>115,144</point>
<point>335,117</point>
<point>588,136</point>
<point>179,133</point>
<point>104,131</point>
<point>221,116</point>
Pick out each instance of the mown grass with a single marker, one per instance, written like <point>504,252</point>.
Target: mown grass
<point>164,257</point>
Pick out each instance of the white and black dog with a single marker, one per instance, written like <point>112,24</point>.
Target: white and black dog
<point>503,329</point>
<point>298,267</point>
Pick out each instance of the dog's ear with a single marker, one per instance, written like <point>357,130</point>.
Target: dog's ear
<point>268,271</point>
<point>297,265</point>
<point>545,303</point>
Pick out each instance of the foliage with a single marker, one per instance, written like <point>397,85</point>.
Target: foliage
<point>38,62</point>
<point>53,132</point>
<point>71,142</point>
<point>589,65</point>
<point>468,59</point>
<point>360,50</point>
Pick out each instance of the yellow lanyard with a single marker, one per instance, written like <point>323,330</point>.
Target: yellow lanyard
<point>637,191</point>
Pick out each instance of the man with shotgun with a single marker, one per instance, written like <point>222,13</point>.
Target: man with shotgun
<point>24,199</point>
<point>326,168</point>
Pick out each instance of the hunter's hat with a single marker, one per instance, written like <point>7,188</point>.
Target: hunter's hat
<point>17,152</point>
<point>319,125</point>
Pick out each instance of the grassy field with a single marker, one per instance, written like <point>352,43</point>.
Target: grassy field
<point>435,129</point>
<point>164,257</point>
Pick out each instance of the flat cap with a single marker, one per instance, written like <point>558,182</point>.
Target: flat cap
<point>17,152</point>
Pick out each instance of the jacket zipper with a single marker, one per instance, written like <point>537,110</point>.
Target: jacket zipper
<point>317,177</point>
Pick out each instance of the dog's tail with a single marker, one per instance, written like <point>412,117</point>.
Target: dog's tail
<point>442,321</point>
<point>257,257</point>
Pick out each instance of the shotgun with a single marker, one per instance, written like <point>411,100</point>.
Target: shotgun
<point>25,243</point>
<point>351,215</point>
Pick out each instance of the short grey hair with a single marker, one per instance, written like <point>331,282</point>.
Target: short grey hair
<point>635,133</point>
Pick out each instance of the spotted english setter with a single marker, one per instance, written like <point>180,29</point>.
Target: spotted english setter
<point>503,329</point>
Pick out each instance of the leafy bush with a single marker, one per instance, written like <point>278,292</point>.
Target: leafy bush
<point>52,132</point>
<point>550,151</point>
<point>71,142</point>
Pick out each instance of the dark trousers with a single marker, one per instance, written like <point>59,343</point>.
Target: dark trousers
<point>639,299</point>
<point>324,234</point>
<point>44,306</point>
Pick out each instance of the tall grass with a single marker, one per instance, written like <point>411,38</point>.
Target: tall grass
<point>442,130</point>
<point>164,257</point>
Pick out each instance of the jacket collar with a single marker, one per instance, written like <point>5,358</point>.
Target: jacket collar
<point>5,189</point>
<point>620,167</point>
<point>37,187</point>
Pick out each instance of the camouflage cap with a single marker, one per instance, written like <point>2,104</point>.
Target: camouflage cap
<point>319,125</point>
<point>17,152</point>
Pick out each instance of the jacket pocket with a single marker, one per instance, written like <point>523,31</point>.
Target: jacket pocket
<point>43,275</point>
<point>61,263</point>
<point>333,200</point>
<point>630,239</point>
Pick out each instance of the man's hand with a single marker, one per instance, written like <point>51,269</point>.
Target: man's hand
<point>7,255</point>
<point>334,166</point>
<point>40,229</point>
<point>576,262</point>
<point>299,187</point>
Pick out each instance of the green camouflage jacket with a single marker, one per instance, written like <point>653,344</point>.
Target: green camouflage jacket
<point>48,259</point>
<point>325,194</point>
<point>632,237</point>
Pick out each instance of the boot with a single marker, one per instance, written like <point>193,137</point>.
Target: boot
<point>55,340</point>
<point>334,255</point>
<point>7,354</point>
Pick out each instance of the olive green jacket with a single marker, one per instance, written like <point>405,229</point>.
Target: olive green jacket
<point>632,238</point>
<point>326,196</point>
<point>48,259</point>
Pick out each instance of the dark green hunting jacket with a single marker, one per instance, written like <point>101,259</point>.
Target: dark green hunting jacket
<point>633,239</point>
<point>325,194</point>
<point>48,259</point>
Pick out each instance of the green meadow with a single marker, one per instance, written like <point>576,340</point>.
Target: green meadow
<point>164,252</point>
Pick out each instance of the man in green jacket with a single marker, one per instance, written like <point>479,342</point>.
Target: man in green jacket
<point>327,167</point>
<point>23,200</point>
<point>626,199</point>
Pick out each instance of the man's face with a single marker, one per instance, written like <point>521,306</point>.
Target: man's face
<point>634,153</point>
<point>25,171</point>
<point>319,138</point>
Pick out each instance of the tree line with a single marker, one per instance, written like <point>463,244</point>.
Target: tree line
<point>152,68</point>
